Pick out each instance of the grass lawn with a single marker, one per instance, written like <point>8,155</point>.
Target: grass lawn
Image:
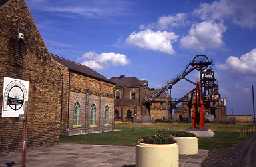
<point>225,135</point>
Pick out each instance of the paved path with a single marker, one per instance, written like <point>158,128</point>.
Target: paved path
<point>80,155</point>
<point>240,155</point>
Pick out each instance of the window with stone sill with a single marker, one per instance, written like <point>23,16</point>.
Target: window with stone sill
<point>93,114</point>
<point>76,115</point>
<point>106,114</point>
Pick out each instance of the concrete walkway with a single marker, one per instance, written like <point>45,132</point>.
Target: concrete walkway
<point>80,155</point>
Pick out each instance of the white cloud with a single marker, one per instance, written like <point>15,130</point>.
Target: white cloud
<point>171,21</point>
<point>241,12</point>
<point>154,40</point>
<point>88,8</point>
<point>93,64</point>
<point>79,10</point>
<point>166,22</point>
<point>204,35</point>
<point>99,61</point>
<point>245,64</point>
<point>216,10</point>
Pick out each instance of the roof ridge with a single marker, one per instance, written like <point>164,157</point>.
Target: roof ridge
<point>132,81</point>
<point>72,65</point>
<point>127,77</point>
<point>72,61</point>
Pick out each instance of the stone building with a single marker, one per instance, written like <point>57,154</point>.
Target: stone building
<point>130,93</point>
<point>87,99</point>
<point>160,107</point>
<point>64,97</point>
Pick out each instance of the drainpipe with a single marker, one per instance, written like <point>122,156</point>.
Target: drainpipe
<point>68,120</point>
<point>101,119</point>
<point>61,115</point>
<point>86,110</point>
<point>100,112</point>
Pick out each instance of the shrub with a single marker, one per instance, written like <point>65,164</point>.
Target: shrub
<point>175,133</point>
<point>157,139</point>
<point>182,134</point>
<point>163,121</point>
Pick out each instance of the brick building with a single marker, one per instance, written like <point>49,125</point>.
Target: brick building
<point>160,107</point>
<point>64,97</point>
<point>87,99</point>
<point>130,93</point>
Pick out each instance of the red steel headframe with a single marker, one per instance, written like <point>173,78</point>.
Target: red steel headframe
<point>198,102</point>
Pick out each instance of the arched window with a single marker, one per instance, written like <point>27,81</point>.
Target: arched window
<point>118,94</point>
<point>107,112</point>
<point>76,114</point>
<point>93,114</point>
<point>132,94</point>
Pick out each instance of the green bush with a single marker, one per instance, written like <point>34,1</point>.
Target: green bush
<point>175,133</point>
<point>182,134</point>
<point>163,121</point>
<point>157,139</point>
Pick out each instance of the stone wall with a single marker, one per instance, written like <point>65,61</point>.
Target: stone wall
<point>108,124</point>
<point>135,106</point>
<point>81,99</point>
<point>159,110</point>
<point>65,100</point>
<point>29,60</point>
<point>88,91</point>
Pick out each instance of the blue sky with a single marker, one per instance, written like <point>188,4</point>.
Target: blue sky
<point>154,40</point>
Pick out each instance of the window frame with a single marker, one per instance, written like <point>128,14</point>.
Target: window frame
<point>131,94</point>
<point>120,95</point>
<point>93,115</point>
<point>76,115</point>
<point>107,110</point>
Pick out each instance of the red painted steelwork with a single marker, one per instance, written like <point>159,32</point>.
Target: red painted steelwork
<point>201,111</point>
<point>198,102</point>
<point>194,110</point>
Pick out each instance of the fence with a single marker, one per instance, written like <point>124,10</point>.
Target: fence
<point>248,131</point>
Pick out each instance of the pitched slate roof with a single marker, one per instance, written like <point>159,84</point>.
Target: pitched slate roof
<point>129,81</point>
<point>82,69</point>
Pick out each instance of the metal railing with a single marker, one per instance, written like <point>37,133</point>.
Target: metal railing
<point>248,131</point>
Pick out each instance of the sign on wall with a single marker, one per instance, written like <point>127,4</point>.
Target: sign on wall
<point>15,94</point>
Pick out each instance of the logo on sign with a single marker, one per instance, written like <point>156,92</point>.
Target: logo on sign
<point>15,95</point>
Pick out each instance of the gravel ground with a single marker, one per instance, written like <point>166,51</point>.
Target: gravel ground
<point>240,155</point>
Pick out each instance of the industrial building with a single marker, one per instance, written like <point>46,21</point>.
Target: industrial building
<point>130,94</point>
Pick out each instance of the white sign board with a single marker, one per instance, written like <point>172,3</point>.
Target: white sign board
<point>15,94</point>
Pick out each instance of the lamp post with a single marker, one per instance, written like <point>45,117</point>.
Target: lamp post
<point>253,106</point>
